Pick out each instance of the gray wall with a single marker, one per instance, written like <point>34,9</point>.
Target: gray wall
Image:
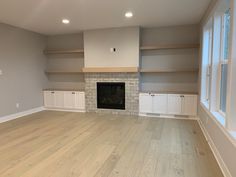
<point>23,63</point>
<point>222,142</point>
<point>219,135</point>
<point>67,62</point>
<point>97,44</point>
<point>170,59</point>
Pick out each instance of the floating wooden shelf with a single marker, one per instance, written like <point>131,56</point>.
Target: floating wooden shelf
<point>168,70</point>
<point>73,51</point>
<point>63,72</point>
<point>111,70</point>
<point>171,92</point>
<point>170,46</point>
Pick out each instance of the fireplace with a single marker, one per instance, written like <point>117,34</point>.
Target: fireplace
<point>111,95</point>
<point>130,82</point>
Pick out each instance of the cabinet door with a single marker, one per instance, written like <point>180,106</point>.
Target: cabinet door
<point>59,99</point>
<point>189,105</point>
<point>69,100</point>
<point>49,99</point>
<point>145,103</point>
<point>160,103</point>
<point>80,100</point>
<point>174,104</point>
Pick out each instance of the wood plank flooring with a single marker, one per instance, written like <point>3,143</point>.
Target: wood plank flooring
<point>62,144</point>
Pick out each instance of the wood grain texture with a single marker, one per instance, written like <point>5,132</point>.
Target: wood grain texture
<point>169,71</point>
<point>63,144</point>
<point>62,72</point>
<point>168,92</point>
<point>111,70</point>
<point>60,89</point>
<point>63,51</point>
<point>170,46</point>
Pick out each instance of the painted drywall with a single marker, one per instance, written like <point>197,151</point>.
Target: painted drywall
<point>67,62</point>
<point>97,45</point>
<point>223,143</point>
<point>221,138</point>
<point>170,59</point>
<point>22,64</point>
<point>232,73</point>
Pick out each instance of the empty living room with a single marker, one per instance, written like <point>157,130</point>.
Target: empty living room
<point>118,88</point>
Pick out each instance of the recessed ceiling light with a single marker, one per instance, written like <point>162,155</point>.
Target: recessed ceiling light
<point>65,21</point>
<point>128,14</point>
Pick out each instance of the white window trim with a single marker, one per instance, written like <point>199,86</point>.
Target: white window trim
<point>231,135</point>
<point>230,127</point>
<point>216,112</point>
<point>207,76</point>
<point>222,62</point>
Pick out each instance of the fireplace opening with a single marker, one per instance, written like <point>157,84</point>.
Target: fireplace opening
<point>110,95</point>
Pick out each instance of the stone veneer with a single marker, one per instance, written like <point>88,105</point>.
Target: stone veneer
<point>131,91</point>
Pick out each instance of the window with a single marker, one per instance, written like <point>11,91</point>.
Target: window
<point>206,63</point>
<point>218,65</point>
<point>223,64</point>
<point>215,57</point>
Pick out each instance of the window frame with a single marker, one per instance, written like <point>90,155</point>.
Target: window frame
<point>223,61</point>
<point>206,73</point>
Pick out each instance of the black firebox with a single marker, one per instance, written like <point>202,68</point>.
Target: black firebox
<point>110,95</point>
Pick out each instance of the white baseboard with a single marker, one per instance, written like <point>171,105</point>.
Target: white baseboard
<point>64,110</point>
<point>215,151</point>
<point>168,116</point>
<point>20,114</point>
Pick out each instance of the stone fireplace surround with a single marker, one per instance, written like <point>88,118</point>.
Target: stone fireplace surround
<point>131,92</point>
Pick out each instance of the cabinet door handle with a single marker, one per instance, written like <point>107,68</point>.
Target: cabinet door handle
<point>52,92</point>
<point>73,93</point>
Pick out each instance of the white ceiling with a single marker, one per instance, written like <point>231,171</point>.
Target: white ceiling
<point>44,16</point>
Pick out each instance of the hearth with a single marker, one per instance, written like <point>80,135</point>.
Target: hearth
<point>111,95</point>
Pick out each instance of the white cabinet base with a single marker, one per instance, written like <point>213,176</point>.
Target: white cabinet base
<point>168,105</point>
<point>64,110</point>
<point>71,101</point>
<point>168,116</point>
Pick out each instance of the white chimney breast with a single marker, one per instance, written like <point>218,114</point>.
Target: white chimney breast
<point>101,45</point>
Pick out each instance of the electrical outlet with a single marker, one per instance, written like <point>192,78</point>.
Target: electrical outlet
<point>17,105</point>
<point>112,50</point>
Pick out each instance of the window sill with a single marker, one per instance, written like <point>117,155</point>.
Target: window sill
<point>216,115</point>
<point>233,134</point>
<point>205,104</point>
<point>219,118</point>
<point>220,121</point>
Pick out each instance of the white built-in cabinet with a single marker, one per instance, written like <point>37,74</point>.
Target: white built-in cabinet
<point>49,99</point>
<point>69,100</point>
<point>159,103</point>
<point>153,103</point>
<point>170,104</point>
<point>189,105</point>
<point>145,103</point>
<point>174,104</point>
<point>59,99</point>
<point>80,100</point>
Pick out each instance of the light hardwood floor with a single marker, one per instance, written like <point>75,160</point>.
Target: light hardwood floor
<point>61,144</point>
